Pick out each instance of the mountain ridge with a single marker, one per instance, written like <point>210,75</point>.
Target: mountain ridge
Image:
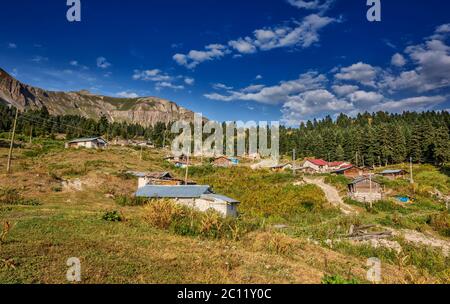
<point>146,111</point>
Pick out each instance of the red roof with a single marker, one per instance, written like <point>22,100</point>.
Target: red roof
<point>335,164</point>
<point>318,162</point>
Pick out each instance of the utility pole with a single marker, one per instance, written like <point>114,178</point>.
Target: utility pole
<point>370,195</point>
<point>187,171</point>
<point>8,167</point>
<point>293,161</point>
<point>140,155</point>
<point>411,169</point>
<point>356,158</point>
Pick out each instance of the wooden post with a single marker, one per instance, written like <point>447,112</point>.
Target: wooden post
<point>31,134</point>
<point>8,166</point>
<point>140,156</point>
<point>411,169</point>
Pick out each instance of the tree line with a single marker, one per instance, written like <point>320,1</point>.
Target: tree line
<point>369,139</point>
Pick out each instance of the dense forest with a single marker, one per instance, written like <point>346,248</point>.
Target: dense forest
<point>368,139</point>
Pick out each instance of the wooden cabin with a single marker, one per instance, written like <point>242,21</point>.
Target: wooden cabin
<point>365,189</point>
<point>394,174</point>
<point>88,143</point>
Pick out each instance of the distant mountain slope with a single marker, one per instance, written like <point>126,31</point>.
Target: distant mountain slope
<point>146,111</point>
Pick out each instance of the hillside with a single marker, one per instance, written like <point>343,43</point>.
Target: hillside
<point>56,201</point>
<point>146,111</point>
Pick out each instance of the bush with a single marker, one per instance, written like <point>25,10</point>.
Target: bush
<point>10,196</point>
<point>113,216</point>
<point>182,220</point>
<point>440,222</point>
<point>162,213</point>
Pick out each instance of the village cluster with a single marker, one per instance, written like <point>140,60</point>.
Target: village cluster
<point>363,186</point>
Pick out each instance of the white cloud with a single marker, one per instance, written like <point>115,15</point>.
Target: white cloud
<point>277,94</point>
<point>421,103</point>
<point>244,46</point>
<point>321,5</point>
<point>344,90</point>
<point>303,34</point>
<point>221,86</point>
<point>398,60</point>
<point>161,79</point>
<point>194,58</point>
<point>258,77</point>
<point>359,72</point>
<point>103,63</point>
<point>189,81</point>
<point>73,63</point>
<point>127,94</point>
<point>432,61</point>
<point>12,45</point>
<point>168,85</point>
<point>39,59</point>
<point>363,99</point>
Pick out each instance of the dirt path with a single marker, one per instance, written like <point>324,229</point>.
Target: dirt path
<point>332,195</point>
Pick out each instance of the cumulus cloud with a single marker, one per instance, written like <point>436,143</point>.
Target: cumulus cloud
<point>221,86</point>
<point>127,94</point>
<point>320,5</point>
<point>398,60</point>
<point>359,72</point>
<point>344,90</point>
<point>432,65</point>
<point>194,58</point>
<point>12,45</point>
<point>302,34</point>
<point>103,63</point>
<point>277,94</point>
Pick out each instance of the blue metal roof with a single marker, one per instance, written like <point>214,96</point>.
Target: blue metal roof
<point>183,191</point>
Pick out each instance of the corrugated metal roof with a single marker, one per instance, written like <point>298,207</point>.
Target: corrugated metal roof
<point>392,171</point>
<point>87,139</point>
<point>220,197</point>
<point>318,162</point>
<point>183,191</point>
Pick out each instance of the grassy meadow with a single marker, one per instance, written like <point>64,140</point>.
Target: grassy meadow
<point>60,203</point>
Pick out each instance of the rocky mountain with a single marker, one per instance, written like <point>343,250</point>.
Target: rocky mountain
<point>146,111</point>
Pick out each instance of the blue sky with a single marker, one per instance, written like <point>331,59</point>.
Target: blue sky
<point>287,60</point>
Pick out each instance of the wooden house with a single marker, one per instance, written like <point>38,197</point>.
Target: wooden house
<point>394,174</point>
<point>351,171</point>
<point>315,166</point>
<point>224,161</point>
<point>365,189</point>
<point>199,197</point>
<point>88,143</point>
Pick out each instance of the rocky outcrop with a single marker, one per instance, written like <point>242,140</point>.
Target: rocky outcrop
<point>146,111</point>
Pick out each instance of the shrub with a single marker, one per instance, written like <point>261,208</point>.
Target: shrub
<point>440,222</point>
<point>337,279</point>
<point>113,216</point>
<point>9,196</point>
<point>162,213</point>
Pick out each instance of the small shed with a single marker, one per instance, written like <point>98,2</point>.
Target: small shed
<point>282,167</point>
<point>394,174</point>
<point>351,171</point>
<point>365,189</point>
<point>88,143</point>
<point>199,197</point>
<point>224,161</point>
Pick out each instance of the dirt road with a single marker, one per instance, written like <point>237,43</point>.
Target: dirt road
<point>332,195</point>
